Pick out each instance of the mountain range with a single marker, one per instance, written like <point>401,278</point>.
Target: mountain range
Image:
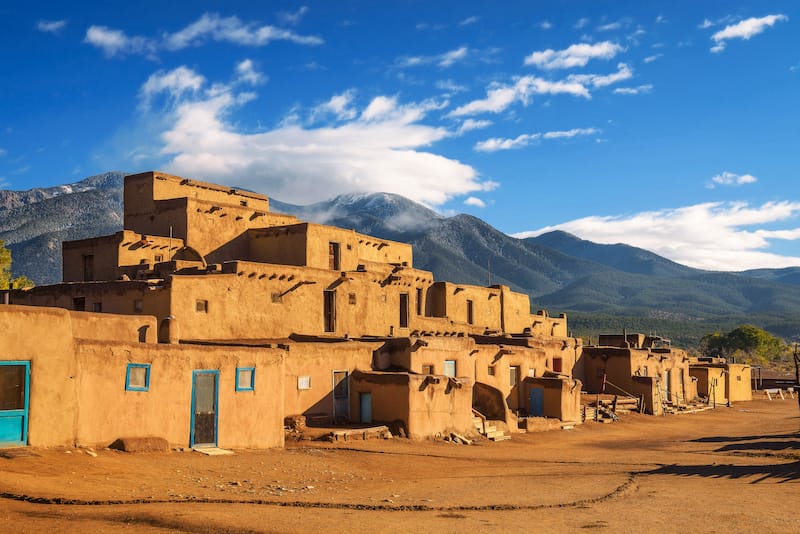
<point>602,287</point>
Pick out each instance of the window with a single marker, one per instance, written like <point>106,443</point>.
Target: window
<point>243,203</point>
<point>88,267</point>
<point>427,369</point>
<point>201,306</point>
<point>79,304</point>
<point>159,258</point>
<point>334,259</point>
<point>490,370</point>
<point>513,375</point>
<point>557,365</point>
<point>403,310</point>
<point>351,298</point>
<point>470,315</point>
<point>450,368</point>
<point>419,301</point>
<point>137,377</point>
<point>245,378</point>
<point>304,382</point>
<point>330,311</point>
<point>97,307</point>
<point>138,306</point>
<point>738,378</point>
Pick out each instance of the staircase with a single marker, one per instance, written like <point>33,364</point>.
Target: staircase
<point>486,429</point>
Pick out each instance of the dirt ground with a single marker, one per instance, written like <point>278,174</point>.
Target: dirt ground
<point>729,470</point>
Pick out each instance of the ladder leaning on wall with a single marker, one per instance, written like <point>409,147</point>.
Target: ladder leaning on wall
<point>660,396</point>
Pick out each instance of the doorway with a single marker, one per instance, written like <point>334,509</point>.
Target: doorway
<point>341,395</point>
<point>205,392</point>
<point>14,397</point>
<point>365,403</point>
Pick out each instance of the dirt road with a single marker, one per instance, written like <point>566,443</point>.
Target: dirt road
<point>729,470</point>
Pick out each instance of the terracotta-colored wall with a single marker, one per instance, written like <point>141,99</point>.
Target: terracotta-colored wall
<point>738,384</point>
<point>516,310</point>
<point>285,245</point>
<point>561,396</point>
<point>44,338</point>
<point>439,408</point>
<point>246,419</point>
<point>111,327</point>
<point>318,361</point>
<point>390,396</point>
<point>705,376</point>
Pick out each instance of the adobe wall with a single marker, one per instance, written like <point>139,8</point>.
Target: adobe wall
<point>317,361</point>
<point>390,396</point>
<point>737,387</point>
<point>286,245</point>
<point>543,324</point>
<point>44,338</point>
<point>354,248</point>
<point>113,297</point>
<point>442,407</point>
<point>705,376</point>
<point>561,396</point>
<point>414,353</point>
<point>255,300</point>
<point>516,310</point>
<point>486,306</point>
<point>111,327</point>
<point>106,411</point>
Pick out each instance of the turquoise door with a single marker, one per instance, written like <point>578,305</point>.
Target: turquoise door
<point>205,392</point>
<point>365,400</point>
<point>536,408</point>
<point>14,383</point>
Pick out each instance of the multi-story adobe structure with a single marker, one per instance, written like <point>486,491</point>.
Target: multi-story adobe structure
<point>641,366</point>
<point>209,318</point>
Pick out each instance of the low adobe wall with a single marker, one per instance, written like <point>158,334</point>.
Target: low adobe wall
<point>561,396</point>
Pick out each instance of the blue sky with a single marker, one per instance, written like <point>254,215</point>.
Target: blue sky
<point>671,126</point>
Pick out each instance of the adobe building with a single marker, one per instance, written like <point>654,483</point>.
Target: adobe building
<point>720,381</point>
<point>640,366</point>
<point>229,312</point>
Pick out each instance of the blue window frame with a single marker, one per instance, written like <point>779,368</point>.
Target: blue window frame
<point>245,378</point>
<point>137,377</point>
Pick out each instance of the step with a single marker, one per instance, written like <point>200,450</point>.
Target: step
<point>500,438</point>
<point>495,433</point>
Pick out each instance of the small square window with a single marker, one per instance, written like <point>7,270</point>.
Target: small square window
<point>245,378</point>
<point>201,306</point>
<point>137,377</point>
<point>738,378</point>
<point>159,258</point>
<point>303,382</point>
<point>79,304</point>
<point>138,306</point>
<point>351,298</point>
<point>490,370</point>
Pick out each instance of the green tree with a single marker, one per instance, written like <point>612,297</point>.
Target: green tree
<point>5,271</point>
<point>746,343</point>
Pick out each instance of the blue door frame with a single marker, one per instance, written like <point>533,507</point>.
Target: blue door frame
<point>204,417</point>
<point>14,420</point>
<point>536,406</point>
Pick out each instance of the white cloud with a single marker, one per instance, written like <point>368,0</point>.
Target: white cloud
<point>444,60</point>
<point>450,86</point>
<point>734,236</point>
<point>661,19</point>
<point>475,201</point>
<point>705,24</point>
<point>340,106</point>
<point>729,178</point>
<point>545,25</point>
<point>382,147</point>
<point>609,27</point>
<point>744,30</point>
<point>51,26</point>
<point>582,23</point>
<point>176,82</point>
<point>3,152</point>
<point>498,143</point>
<point>577,55</point>
<point>472,124</point>
<point>641,89</point>
<point>293,17</point>
<point>650,59</point>
<point>469,20</point>
<point>247,73</point>
<point>624,72</point>
<point>209,27</point>
<point>499,97</point>
<point>116,42</point>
